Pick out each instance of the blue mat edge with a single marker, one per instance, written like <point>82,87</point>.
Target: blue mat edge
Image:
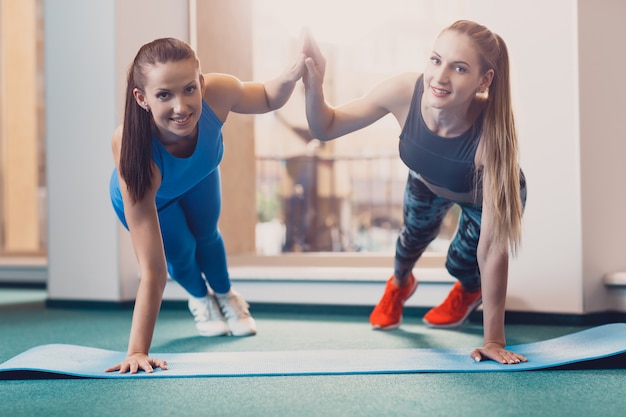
<point>619,356</point>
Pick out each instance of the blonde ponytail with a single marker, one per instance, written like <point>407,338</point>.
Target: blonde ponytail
<point>501,171</point>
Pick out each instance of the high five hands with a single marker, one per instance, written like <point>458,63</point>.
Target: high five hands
<point>314,61</point>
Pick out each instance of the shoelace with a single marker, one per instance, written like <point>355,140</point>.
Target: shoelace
<point>390,303</point>
<point>201,314</point>
<point>457,300</point>
<point>235,307</point>
<point>205,311</point>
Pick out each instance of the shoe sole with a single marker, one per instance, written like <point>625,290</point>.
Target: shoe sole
<point>223,332</point>
<point>243,334</point>
<point>470,310</point>
<point>390,327</point>
<point>205,334</point>
<point>396,325</point>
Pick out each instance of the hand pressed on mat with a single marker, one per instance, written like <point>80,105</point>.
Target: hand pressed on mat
<point>496,352</point>
<point>133,363</point>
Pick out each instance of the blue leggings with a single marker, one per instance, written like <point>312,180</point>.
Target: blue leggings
<point>193,243</point>
<point>423,213</point>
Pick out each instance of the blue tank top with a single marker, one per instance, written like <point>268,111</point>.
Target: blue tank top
<point>444,162</point>
<point>179,175</point>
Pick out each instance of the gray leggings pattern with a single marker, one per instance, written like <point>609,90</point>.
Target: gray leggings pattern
<point>423,213</point>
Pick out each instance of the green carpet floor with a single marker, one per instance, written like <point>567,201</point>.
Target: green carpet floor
<point>25,322</point>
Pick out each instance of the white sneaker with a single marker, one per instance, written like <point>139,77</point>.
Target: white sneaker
<point>235,309</point>
<point>208,317</point>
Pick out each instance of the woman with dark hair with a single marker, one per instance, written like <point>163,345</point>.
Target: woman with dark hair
<point>459,141</point>
<point>166,186</point>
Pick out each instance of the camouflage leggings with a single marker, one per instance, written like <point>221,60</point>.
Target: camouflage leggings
<point>423,213</point>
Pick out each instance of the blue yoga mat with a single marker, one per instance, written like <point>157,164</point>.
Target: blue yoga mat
<point>604,345</point>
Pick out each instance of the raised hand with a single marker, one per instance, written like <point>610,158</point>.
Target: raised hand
<point>314,61</point>
<point>296,70</point>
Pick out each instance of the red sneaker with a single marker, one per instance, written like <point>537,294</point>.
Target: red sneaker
<point>455,308</point>
<point>388,313</point>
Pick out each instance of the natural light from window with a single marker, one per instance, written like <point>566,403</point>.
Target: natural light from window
<point>344,195</point>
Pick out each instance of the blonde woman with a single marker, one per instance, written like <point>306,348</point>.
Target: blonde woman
<point>459,141</point>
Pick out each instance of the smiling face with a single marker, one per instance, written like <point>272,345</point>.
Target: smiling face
<point>173,94</point>
<point>454,74</point>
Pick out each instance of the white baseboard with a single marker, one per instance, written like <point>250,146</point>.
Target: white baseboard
<point>324,286</point>
<point>24,271</point>
<point>616,286</point>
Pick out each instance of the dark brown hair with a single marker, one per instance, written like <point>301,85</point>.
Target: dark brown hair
<point>136,150</point>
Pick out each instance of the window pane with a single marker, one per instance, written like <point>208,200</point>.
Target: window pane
<point>344,195</point>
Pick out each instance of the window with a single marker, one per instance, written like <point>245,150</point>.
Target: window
<point>344,195</point>
<point>22,167</point>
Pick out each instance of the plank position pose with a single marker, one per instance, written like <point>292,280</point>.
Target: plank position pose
<point>166,186</point>
<point>459,142</point>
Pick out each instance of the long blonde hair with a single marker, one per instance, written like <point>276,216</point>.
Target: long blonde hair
<point>501,170</point>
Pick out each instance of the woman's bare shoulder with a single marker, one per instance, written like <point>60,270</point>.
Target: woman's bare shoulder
<point>221,92</point>
<point>219,83</point>
<point>395,94</point>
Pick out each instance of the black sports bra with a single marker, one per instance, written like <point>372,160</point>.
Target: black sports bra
<point>444,162</point>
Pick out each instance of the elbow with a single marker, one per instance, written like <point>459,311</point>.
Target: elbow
<point>321,136</point>
<point>273,104</point>
<point>322,131</point>
<point>270,105</point>
<point>277,97</point>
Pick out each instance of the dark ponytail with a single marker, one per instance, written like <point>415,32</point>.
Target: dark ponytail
<point>136,152</point>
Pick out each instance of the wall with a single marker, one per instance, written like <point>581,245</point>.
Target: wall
<point>544,65</point>
<point>567,102</point>
<point>224,44</point>
<point>568,105</point>
<point>603,146</point>
<point>80,98</point>
<point>88,47</point>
